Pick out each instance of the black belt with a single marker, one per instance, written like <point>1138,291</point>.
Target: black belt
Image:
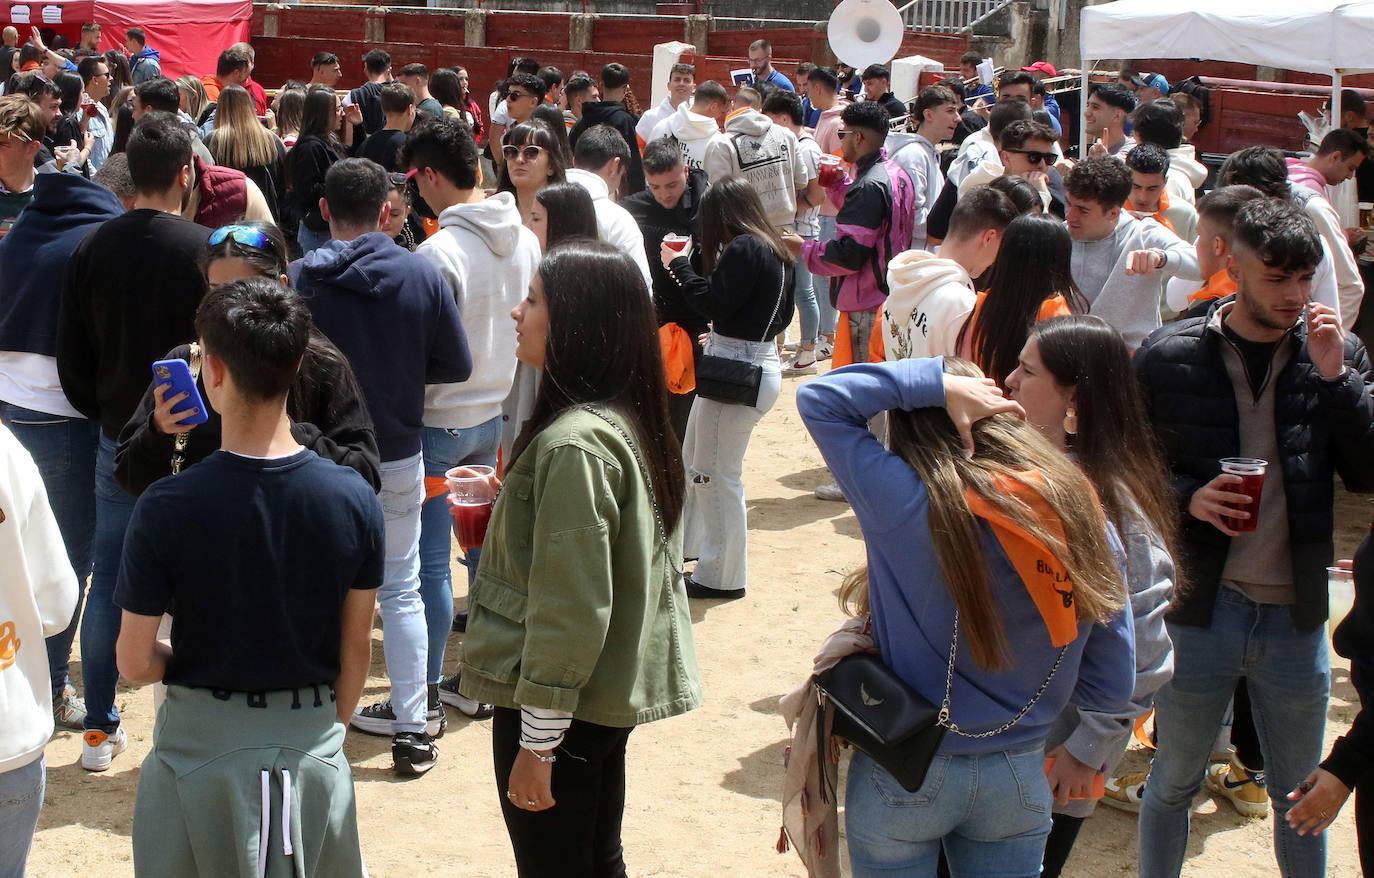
<point>314,695</point>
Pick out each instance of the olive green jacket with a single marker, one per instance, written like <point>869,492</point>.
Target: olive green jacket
<point>576,606</point>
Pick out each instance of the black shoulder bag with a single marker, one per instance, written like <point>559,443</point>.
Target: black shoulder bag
<point>735,382</point>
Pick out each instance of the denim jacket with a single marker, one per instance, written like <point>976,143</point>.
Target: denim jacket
<point>576,606</point>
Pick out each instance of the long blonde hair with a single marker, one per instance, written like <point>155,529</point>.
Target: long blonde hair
<point>196,98</point>
<point>239,139</point>
<point>1007,448</point>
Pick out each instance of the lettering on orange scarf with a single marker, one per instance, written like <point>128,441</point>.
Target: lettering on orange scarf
<point>1046,579</point>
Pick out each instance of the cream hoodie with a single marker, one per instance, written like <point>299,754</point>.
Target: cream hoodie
<point>692,131</point>
<point>613,221</point>
<point>929,301</point>
<point>1186,174</point>
<point>766,155</point>
<point>487,257</point>
<point>37,596</point>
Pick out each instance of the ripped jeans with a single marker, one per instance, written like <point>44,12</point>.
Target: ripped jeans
<point>713,452</point>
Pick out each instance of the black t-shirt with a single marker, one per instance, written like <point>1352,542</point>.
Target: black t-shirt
<point>129,294</point>
<point>383,148</point>
<point>253,558</point>
<point>1258,356</point>
<point>368,97</point>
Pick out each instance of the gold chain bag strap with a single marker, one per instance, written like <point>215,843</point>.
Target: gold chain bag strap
<point>179,441</point>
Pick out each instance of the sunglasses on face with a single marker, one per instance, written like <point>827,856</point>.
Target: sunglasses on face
<point>517,95</point>
<point>246,235</point>
<point>842,133</point>
<point>529,152</point>
<point>1035,156</point>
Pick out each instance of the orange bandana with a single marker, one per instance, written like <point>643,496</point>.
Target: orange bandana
<point>1046,580</point>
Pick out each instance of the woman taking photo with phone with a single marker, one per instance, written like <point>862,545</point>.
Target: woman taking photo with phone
<point>1075,383</point>
<point>578,628</point>
<point>992,591</point>
<point>746,293</point>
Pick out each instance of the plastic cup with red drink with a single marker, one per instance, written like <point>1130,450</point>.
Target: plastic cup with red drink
<point>677,243</point>
<point>830,171</point>
<point>471,495</point>
<point>1251,472</point>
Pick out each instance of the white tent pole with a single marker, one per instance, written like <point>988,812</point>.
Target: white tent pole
<point>1082,104</point>
<point>1336,98</point>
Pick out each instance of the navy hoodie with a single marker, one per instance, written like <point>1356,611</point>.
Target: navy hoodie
<point>392,315</point>
<point>64,210</point>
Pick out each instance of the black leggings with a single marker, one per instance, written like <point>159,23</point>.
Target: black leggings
<point>579,837</point>
<point>1243,735</point>
<point>1063,834</point>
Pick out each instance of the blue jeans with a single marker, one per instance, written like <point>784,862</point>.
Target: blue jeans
<point>804,294</point>
<point>310,240</point>
<point>64,450</point>
<point>716,520</point>
<point>405,640</point>
<point>991,812</point>
<point>21,798</point>
<point>820,286</point>
<point>444,449</point>
<point>1288,676</point>
<point>100,625</point>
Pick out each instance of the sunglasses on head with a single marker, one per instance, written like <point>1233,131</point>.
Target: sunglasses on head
<point>529,152</point>
<point>245,235</point>
<point>1035,156</point>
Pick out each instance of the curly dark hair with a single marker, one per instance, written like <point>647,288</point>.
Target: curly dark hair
<point>1102,179</point>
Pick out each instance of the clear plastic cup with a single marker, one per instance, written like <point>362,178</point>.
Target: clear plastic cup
<point>1340,595</point>
<point>1251,471</point>
<point>677,242</point>
<point>830,170</point>
<point>470,499</point>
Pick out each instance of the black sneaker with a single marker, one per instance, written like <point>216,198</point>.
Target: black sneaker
<point>378,719</point>
<point>449,694</point>
<point>413,753</point>
<point>436,718</point>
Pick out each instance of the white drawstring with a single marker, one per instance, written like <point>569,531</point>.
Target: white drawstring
<point>264,826</point>
<point>286,812</point>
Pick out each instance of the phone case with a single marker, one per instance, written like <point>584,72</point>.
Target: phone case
<point>1099,782</point>
<point>178,374</point>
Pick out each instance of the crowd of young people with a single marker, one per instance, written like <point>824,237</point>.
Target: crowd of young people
<point>1037,366</point>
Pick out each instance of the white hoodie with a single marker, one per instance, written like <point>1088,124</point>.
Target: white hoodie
<point>692,131</point>
<point>921,160</point>
<point>37,597</point>
<point>1349,283</point>
<point>1186,174</point>
<point>766,155</point>
<point>644,128</point>
<point>930,300</point>
<point>488,258</point>
<point>614,222</point>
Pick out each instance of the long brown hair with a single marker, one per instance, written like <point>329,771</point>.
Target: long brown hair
<point>1006,448</point>
<point>239,139</point>
<point>1086,353</point>
<point>731,208</point>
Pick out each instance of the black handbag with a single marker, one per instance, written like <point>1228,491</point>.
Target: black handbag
<point>881,715</point>
<point>735,382</point>
<point>877,712</point>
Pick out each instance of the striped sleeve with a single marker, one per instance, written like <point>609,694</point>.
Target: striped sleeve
<point>541,728</point>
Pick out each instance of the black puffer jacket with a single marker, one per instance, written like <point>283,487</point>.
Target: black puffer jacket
<point>1323,427</point>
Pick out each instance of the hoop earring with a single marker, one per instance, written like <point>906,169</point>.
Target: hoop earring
<point>1071,422</point>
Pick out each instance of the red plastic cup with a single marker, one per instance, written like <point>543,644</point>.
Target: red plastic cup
<point>1251,471</point>
<point>677,243</point>
<point>830,171</point>
<point>470,499</point>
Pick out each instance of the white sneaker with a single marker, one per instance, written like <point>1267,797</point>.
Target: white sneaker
<point>830,492</point>
<point>795,365</point>
<point>98,749</point>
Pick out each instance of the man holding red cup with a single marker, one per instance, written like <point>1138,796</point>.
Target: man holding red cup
<point>1269,376</point>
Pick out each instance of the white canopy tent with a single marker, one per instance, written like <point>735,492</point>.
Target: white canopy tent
<point>1327,37</point>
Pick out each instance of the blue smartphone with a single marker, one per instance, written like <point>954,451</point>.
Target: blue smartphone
<point>178,374</point>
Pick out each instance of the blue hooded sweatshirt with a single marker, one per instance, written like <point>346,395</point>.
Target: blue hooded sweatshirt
<point>912,610</point>
<point>395,319</point>
<point>146,65</point>
<point>64,210</point>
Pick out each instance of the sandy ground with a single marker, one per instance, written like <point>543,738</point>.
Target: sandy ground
<point>704,789</point>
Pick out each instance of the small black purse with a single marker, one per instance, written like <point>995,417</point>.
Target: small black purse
<point>735,382</point>
<point>877,712</point>
<point>881,715</point>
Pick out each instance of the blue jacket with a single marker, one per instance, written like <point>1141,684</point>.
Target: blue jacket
<point>64,210</point>
<point>913,613</point>
<point>395,319</point>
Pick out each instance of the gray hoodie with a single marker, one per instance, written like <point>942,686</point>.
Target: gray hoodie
<point>1130,303</point>
<point>487,257</point>
<point>766,155</point>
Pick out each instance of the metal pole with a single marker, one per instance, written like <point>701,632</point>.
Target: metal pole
<point>1336,79</point>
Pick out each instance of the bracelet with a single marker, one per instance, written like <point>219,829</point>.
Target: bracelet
<point>549,760</point>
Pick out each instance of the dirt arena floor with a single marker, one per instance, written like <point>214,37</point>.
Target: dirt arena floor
<point>704,789</point>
